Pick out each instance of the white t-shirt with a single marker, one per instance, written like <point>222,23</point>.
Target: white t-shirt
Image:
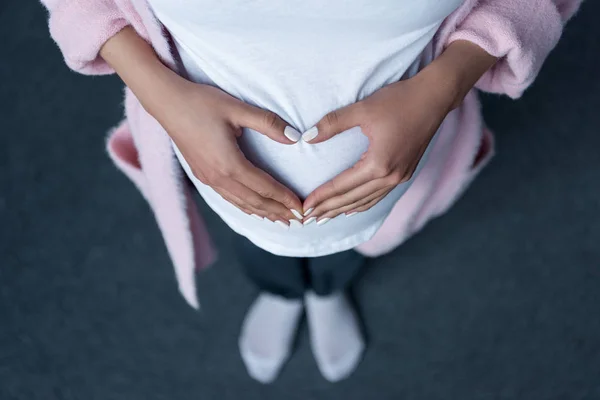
<point>301,60</point>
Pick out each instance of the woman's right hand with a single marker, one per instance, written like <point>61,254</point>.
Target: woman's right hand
<point>205,122</point>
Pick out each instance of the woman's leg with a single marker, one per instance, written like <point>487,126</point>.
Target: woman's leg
<point>335,334</point>
<point>282,276</point>
<point>270,325</point>
<point>333,273</point>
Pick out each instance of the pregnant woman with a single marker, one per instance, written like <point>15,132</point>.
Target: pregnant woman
<point>311,128</point>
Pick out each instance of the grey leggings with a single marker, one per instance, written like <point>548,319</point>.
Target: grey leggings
<point>291,277</point>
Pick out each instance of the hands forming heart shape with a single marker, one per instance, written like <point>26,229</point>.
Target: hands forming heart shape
<point>399,120</point>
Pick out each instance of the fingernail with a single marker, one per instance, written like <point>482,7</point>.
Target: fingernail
<point>310,134</point>
<point>323,221</point>
<point>309,211</point>
<point>351,214</point>
<point>292,134</point>
<point>310,220</point>
<point>257,217</point>
<point>296,214</point>
<point>295,222</point>
<point>282,224</point>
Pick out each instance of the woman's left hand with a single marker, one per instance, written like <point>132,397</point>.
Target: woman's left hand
<point>400,120</point>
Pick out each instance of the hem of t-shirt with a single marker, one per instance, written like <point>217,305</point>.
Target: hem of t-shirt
<point>336,246</point>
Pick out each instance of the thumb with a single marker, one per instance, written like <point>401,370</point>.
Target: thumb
<point>268,123</point>
<point>335,122</point>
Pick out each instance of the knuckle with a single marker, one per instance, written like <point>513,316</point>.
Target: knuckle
<point>227,170</point>
<point>407,176</point>
<point>372,203</point>
<point>332,118</point>
<point>270,119</point>
<point>268,195</point>
<point>213,177</point>
<point>333,214</point>
<point>240,206</point>
<point>329,205</point>
<point>330,186</point>
<point>364,208</point>
<point>260,213</point>
<point>255,202</point>
<point>362,109</point>
<point>379,170</point>
<point>286,200</point>
<point>395,178</point>
<point>272,217</point>
<point>265,193</point>
<point>200,176</point>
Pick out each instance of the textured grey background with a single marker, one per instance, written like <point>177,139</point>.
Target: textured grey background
<point>498,299</point>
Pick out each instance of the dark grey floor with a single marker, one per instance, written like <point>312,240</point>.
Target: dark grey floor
<point>499,299</point>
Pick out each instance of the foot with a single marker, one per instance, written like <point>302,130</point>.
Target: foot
<point>335,336</point>
<point>268,334</point>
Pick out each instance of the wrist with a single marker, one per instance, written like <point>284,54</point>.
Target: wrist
<point>162,92</point>
<point>457,70</point>
<point>445,84</point>
<point>155,85</point>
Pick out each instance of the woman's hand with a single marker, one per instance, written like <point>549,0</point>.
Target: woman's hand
<point>205,123</point>
<point>400,120</point>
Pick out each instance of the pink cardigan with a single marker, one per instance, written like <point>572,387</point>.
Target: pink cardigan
<point>520,32</point>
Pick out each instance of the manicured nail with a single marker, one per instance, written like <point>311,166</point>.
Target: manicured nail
<point>282,224</point>
<point>310,134</point>
<point>310,220</point>
<point>351,214</point>
<point>308,211</point>
<point>257,217</point>
<point>323,221</point>
<point>292,134</point>
<point>295,223</point>
<point>296,214</point>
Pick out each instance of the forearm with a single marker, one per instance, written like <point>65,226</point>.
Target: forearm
<point>139,67</point>
<point>458,69</point>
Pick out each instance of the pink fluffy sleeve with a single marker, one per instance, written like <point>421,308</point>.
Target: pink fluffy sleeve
<point>80,28</point>
<point>520,33</point>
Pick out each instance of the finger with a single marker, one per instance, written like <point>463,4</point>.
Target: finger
<point>352,196</point>
<point>268,187</point>
<point>335,122</point>
<point>234,201</point>
<point>371,201</point>
<point>252,200</point>
<point>366,206</point>
<point>258,214</point>
<point>237,202</point>
<point>266,122</point>
<point>349,179</point>
<point>351,207</point>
